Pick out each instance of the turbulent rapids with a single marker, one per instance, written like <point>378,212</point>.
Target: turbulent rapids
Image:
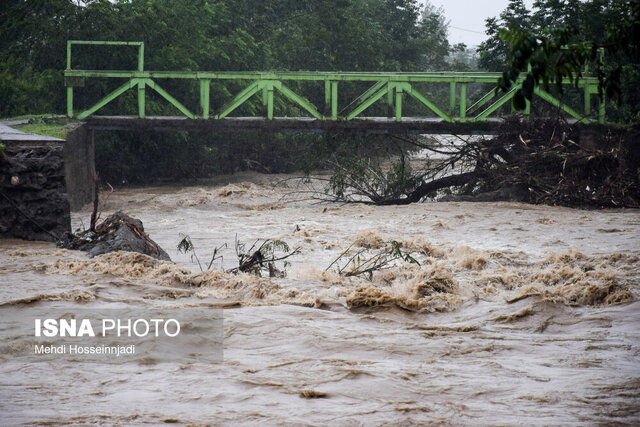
<point>512,313</point>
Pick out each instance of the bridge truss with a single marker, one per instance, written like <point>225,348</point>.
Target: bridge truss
<point>391,89</point>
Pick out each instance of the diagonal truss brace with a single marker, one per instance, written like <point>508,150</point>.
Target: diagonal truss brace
<point>240,99</point>
<point>497,104</point>
<point>557,103</point>
<point>107,99</point>
<point>420,97</point>
<point>373,96</point>
<point>184,110</point>
<point>140,83</point>
<point>268,87</point>
<point>300,100</point>
<point>388,88</point>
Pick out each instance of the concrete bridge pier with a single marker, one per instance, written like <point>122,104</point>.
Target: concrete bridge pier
<point>79,166</point>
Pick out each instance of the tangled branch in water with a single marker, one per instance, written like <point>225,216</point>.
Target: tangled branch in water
<point>362,264</point>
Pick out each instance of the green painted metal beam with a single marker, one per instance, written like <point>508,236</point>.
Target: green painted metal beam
<point>303,102</point>
<point>184,110</point>
<point>240,99</point>
<point>499,103</point>
<point>107,99</point>
<point>423,99</point>
<point>393,84</point>
<point>390,99</point>
<point>334,100</point>
<point>327,96</point>
<point>68,55</point>
<point>463,102</point>
<point>373,89</point>
<point>311,76</point>
<point>398,105</point>
<point>482,101</point>
<point>452,97</point>
<point>105,42</point>
<point>141,57</point>
<point>70,101</point>
<point>205,103</point>
<point>270,99</point>
<point>556,102</point>
<point>367,103</point>
<point>141,99</point>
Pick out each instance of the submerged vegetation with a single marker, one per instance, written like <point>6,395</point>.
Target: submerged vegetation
<point>258,259</point>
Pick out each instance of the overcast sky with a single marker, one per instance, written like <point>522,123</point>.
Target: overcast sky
<point>466,17</point>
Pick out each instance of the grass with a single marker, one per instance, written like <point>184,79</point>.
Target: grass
<point>57,127</point>
<point>29,117</point>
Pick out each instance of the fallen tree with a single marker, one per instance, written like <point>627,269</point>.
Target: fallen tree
<point>536,161</point>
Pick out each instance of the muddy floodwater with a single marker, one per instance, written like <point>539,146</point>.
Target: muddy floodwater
<point>516,314</point>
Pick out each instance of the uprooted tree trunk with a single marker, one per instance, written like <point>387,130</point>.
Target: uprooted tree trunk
<point>427,187</point>
<point>537,161</point>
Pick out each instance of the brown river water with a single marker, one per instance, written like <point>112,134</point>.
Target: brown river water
<point>517,314</point>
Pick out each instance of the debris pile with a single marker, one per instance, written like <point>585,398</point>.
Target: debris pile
<point>560,164</point>
<point>118,232</point>
<point>548,161</point>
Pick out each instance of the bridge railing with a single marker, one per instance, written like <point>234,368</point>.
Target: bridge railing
<point>390,88</point>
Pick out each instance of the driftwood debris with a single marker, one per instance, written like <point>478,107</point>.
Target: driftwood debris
<point>118,232</point>
<point>261,257</point>
<point>546,161</point>
<point>364,263</point>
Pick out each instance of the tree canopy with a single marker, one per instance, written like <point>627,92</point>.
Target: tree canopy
<point>331,35</point>
<point>559,39</point>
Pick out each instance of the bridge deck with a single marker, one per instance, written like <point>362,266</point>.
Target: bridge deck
<point>371,125</point>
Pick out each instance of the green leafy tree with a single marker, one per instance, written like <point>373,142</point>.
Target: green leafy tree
<point>333,35</point>
<point>561,38</point>
<point>494,51</point>
<point>434,43</point>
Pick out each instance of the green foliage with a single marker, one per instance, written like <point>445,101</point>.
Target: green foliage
<point>559,39</point>
<point>26,91</point>
<point>186,246</point>
<point>494,51</point>
<point>270,248</point>
<point>356,178</point>
<point>333,35</point>
<point>261,257</point>
<point>57,127</point>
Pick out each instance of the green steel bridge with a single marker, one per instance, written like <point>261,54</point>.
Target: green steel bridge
<point>407,99</point>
